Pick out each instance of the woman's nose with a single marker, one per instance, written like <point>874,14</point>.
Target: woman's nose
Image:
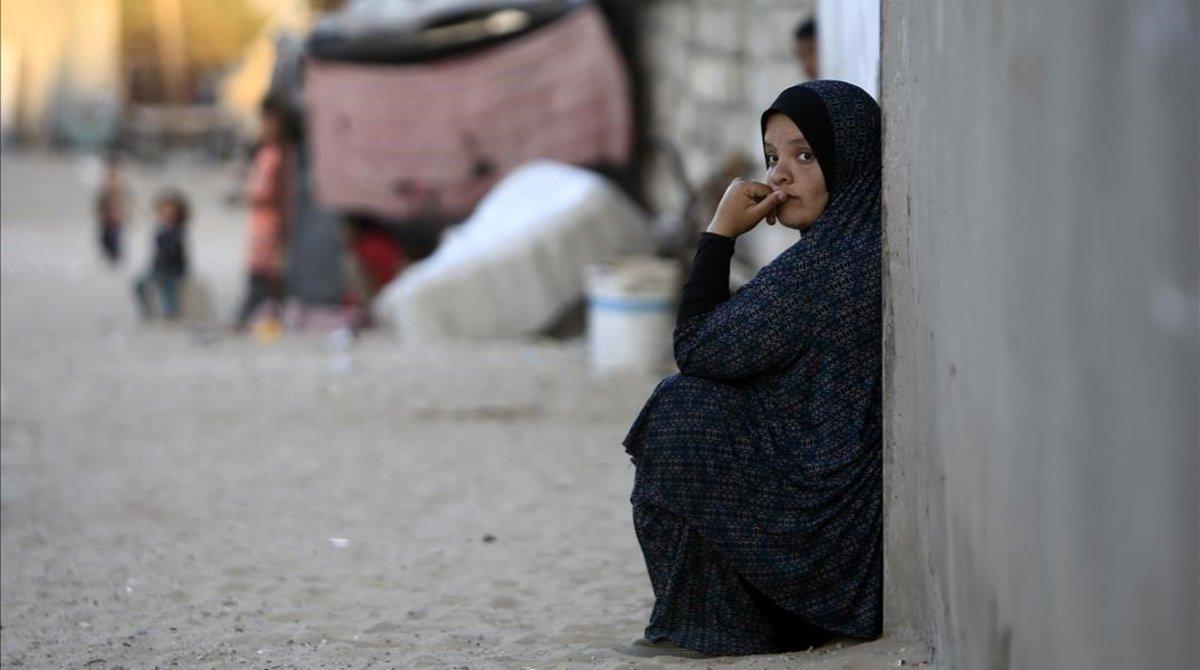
<point>777,176</point>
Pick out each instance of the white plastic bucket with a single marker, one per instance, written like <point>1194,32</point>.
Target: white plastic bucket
<point>631,314</point>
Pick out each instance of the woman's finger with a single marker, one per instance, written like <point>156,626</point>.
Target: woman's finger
<point>756,191</point>
<point>766,206</point>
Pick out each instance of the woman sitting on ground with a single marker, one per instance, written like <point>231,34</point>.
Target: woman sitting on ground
<point>757,500</point>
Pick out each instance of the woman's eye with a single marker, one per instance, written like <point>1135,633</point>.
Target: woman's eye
<point>771,160</point>
<point>805,156</point>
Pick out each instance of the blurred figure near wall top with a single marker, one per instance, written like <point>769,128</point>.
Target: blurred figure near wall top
<point>807,48</point>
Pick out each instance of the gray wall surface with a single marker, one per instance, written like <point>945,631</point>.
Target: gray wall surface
<point>1042,214</point>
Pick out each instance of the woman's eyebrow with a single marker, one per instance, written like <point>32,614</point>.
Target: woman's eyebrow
<point>801,141</point>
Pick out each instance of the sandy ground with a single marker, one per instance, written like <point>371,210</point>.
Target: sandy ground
<point>168,500</point>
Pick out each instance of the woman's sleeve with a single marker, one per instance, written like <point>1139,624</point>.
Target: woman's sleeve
<point>757,331</point>
<point>708,284</point>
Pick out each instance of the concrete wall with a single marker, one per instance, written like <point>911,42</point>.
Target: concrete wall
<point>1043,339</point>
<point>710,67</point>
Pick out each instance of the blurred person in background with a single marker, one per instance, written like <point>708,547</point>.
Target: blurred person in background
<point>168,265</point>
<point>758,499</point>
<point>112,204</point>
<point>807,48</point>
<point>266,191</point>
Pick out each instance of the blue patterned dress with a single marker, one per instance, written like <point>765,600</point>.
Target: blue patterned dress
<point>757,499</point>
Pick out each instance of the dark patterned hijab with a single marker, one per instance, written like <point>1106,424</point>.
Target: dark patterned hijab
<point>841,122</point>
<point>824,292</point>
<point>825,289</point>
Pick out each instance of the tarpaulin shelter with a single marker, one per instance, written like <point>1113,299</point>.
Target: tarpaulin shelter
<point>417,113</point>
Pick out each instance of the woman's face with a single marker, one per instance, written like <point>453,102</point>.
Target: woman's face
<point>792,168</point>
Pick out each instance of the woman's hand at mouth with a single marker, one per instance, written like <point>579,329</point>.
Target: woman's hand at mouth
<point>743,206</point>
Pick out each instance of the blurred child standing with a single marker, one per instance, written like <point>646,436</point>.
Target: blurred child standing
<point>112,204</point>
<point>169,264</point>
<point>266,193</point>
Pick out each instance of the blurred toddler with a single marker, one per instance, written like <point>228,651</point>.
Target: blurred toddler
<point>169,264</point>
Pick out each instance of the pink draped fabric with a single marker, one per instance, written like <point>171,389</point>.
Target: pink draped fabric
<point>408,140</point>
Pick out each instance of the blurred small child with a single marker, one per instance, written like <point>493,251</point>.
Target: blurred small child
<point>111,206</point>
<point>169,265</point>
<point>266,193</point>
